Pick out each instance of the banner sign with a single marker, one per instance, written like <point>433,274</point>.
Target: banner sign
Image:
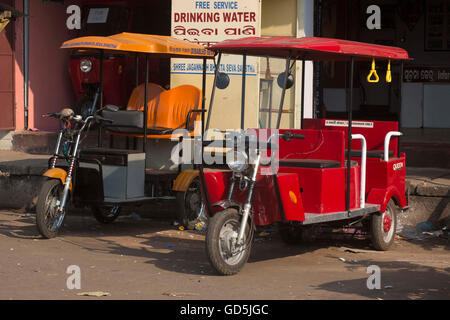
<point>426,74</point>
<point>208,22</point>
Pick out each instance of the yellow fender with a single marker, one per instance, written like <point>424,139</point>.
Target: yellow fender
<point>57,173</point>
<point>184,179</point>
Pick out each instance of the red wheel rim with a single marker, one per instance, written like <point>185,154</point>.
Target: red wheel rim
<point>387,222</point>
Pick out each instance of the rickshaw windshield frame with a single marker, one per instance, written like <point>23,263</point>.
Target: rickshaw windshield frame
<point>146,44</point>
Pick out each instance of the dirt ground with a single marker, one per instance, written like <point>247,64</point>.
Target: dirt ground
<point>137,258</point>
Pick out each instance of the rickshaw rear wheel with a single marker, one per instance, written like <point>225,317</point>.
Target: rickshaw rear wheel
<point>223,229</point>
<point>106,214</point>
<point>48,218</point>
<point>383,227</point>
<point>291,235</point>
<point>189,205</point>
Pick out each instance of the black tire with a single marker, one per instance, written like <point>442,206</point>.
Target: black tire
<point>189,204</point>
<point>47,209</point>
<point>383,227</point>
<point>106,214</point>
<point>225,225</point>
<point>291,235</point>
<point>83,106</point>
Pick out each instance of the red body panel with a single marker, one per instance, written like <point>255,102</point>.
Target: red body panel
<point>113,78</point>
<point>323,190</point>
<point>317,191</point>
<point>382,181</point>
<point>386,180</point>
<point>291,200</point>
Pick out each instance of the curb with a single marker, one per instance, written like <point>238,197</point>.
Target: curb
<point>428,189</point>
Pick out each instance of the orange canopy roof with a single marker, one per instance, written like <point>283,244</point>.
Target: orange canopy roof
<point>143,43</point>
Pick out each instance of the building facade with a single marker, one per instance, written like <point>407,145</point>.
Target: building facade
<point>422,28</point>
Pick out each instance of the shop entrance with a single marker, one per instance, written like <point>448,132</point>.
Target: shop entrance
<point>7,75</point>
<point>420,27</point>
<point>105,18</point>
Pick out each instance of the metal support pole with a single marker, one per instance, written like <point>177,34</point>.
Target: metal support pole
<point>100,138</point>
<point>137,69</point>
<point>26,54</point>
<point>400,107</point>
<point>145,103</point>
<point>283,94</point>
<point>349,135</point>
<point>244,69</point>
<point>213,92</point>
<point>303,94</point>
<point>204,97</point>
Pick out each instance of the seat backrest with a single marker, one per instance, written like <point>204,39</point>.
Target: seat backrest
<point>174,106</point>
<point>373,131</point>
<point>317,144</point>
<point>136,101</point>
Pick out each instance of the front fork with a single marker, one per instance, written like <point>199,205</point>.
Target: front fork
<point>68,180</point>
<point>248,202</point>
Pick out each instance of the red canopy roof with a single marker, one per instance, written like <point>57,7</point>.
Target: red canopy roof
<point>310,48</point>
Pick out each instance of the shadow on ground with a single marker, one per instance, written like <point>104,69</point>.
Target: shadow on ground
<point>161,244</point>
<point>397,277</point>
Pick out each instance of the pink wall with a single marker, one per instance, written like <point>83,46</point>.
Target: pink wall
<point>50,87</point>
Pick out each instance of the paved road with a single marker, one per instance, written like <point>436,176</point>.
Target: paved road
<point>150,259</point>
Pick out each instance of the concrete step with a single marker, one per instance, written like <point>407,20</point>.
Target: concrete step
<point>426,154</point>
<point>43,142</point>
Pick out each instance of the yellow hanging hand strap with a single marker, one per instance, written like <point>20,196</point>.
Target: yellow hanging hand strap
<point>373,72</point>
<point>389,73</point>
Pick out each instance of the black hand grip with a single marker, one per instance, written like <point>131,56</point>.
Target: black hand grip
<point>298,136</point>
<point>287,136</point>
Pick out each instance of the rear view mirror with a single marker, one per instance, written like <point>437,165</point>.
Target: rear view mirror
<point>222,80</point>
<point>289,83</point>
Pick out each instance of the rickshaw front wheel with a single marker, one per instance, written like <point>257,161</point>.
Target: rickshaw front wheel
<point>221,235</point>
<point>48,217</point>
<point>383,227</point>
<point>105,214</point>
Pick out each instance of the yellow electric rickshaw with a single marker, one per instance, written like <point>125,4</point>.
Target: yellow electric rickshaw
<point>107,178</point>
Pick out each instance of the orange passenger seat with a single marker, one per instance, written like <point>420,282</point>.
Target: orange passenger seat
<point>167,111</point>
<point>136,101</point>
<point>173,107</point>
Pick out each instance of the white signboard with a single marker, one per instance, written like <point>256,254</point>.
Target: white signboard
<point>344,123</point>
<point>98,15</point>
<point>208,22</point>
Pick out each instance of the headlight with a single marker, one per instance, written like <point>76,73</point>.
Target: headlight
<point>237,160</point>
<point>86,65</point>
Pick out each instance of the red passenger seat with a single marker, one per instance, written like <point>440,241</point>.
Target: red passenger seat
<point>309,163</point>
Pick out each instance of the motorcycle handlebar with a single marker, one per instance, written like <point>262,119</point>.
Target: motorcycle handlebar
<point>52,115</point>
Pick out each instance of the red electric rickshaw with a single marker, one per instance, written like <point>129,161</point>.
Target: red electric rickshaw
<point>331,171</point>
<point>118,70</point>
